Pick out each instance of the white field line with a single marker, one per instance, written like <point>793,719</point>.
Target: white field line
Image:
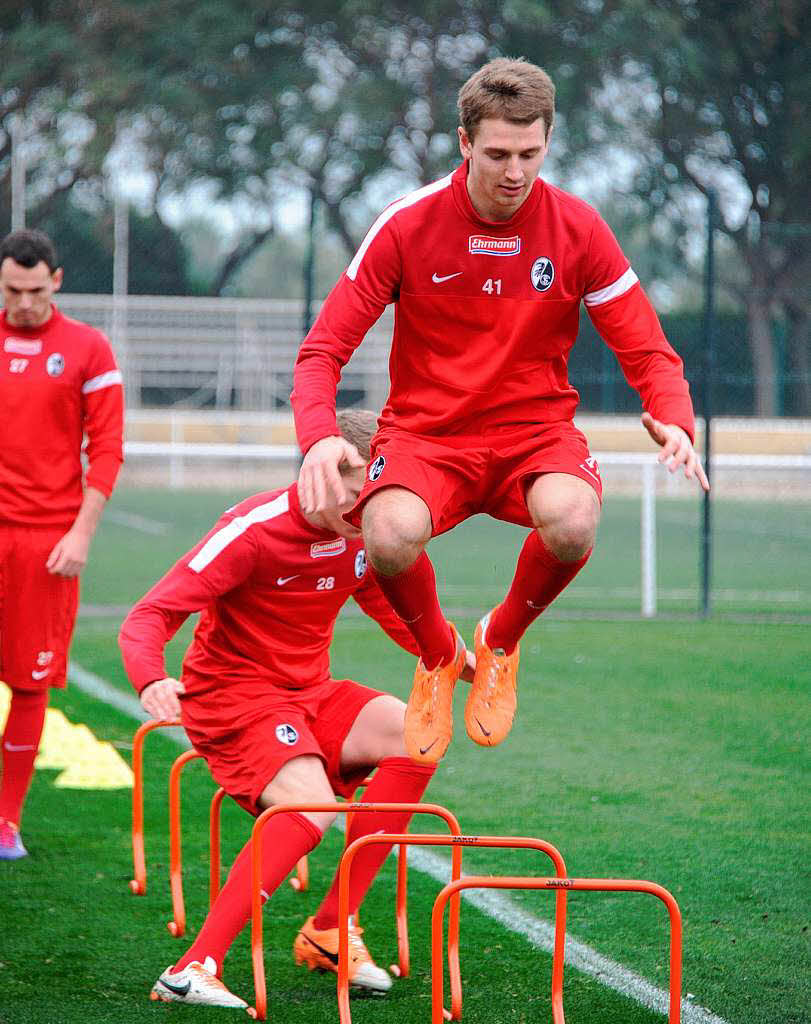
<point>492,903</point>
<point>133,521</point>
<point>127,704</point>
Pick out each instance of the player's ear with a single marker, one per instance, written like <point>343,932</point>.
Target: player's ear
<point>465,145</point>
<point>56,279</point>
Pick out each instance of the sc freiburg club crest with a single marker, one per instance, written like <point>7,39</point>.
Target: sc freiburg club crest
<point>286,734</point>
<point>376,468</point>
<point>542,274</point>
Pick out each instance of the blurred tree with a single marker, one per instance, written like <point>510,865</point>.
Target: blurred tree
<point>82,247</point>
<point>716,94</point>
<point>353,101</point>
<point>157,257</point>
<point>83,239</point>
<point>45,61</point>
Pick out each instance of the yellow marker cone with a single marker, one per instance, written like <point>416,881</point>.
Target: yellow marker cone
<point>84,761</point>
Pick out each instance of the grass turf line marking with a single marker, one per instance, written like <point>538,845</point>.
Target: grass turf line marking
<point>136,522</point>
<point>493,904</point>
<point>127,704</point>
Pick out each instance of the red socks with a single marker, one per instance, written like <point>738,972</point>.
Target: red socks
<point>23,731</point>
<point>539,578</point>
<point>412,595</point>
<point>397,780</point>
<point>285,839</point>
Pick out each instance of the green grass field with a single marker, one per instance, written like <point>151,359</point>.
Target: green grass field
<point>674,750</point>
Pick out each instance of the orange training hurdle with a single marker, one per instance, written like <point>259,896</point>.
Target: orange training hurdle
<point>138,883</point>
<point>457,843</point>
<point>560,884</point>
<point>177,926</point>
<point>259,1012</point>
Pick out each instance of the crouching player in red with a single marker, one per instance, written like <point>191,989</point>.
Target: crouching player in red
<point>258,702</point>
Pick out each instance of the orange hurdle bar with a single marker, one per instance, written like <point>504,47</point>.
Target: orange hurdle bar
<point>259,1012</point>
<point>138,884</point>
<point>456,842</point>
<point>560,885</point>
<point>177,926</point>
<point>214,846</point>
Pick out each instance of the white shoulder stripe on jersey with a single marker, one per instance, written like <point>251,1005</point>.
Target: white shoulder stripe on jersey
<point>220,540</point>
<point>104,380</point>
<point>612,291</point>
<point>388,213</point>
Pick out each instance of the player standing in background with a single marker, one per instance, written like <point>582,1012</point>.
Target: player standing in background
<point>487,269</point>
<point>58,382</point>
<point>258,702</point>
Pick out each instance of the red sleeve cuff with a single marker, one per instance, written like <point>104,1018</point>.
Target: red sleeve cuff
<point>103,473</point>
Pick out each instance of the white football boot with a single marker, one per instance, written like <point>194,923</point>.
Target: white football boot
<point>197,985</point>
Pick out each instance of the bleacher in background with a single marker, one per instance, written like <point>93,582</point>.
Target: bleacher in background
<point>208,396</point>
<point>195,353</point>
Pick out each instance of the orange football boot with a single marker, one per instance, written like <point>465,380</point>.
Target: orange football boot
<point>429,714</point>
<point>491,704</point>
<point>318,950</point>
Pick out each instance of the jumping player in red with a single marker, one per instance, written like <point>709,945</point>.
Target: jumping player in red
<point>258,702</point>
<point>487,269</point>
<point>58,382</point>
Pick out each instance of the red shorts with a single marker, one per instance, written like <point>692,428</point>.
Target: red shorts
<point>246,742</point>
<point>37,610</point>
<point>458,477</point>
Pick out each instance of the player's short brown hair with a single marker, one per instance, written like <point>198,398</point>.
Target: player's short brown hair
<point>509,88</point>
<point>28,247</point>
<point>358,426</point>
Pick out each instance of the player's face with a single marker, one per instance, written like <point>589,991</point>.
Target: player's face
<point>505,159</point>
<point>333,517</point>
<point>27,292</point>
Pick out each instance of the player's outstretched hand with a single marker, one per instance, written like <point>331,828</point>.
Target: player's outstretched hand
<point>320,484</point>
<point>677,449</point>
<point>160,698</point>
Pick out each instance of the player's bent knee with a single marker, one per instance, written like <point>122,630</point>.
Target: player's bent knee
<point>396,527</point>
<point>572,535</point>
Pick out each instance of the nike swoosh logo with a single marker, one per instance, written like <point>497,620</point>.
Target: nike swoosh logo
<point>286,579</point>
<point>40,675</point>
<point>438,280</point>
<point>17,747</point>
<point>485,731</point>
<point>424,750</point>
<point>332,957</point>
<point>179,990</point>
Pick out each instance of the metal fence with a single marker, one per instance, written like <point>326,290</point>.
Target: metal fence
<point>220,353</point>
<point>238,354</point>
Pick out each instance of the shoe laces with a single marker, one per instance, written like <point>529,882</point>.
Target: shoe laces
<point>207,977</point>
<point>500,666</point>
<point>358,946</point>
<point>429,685</point>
